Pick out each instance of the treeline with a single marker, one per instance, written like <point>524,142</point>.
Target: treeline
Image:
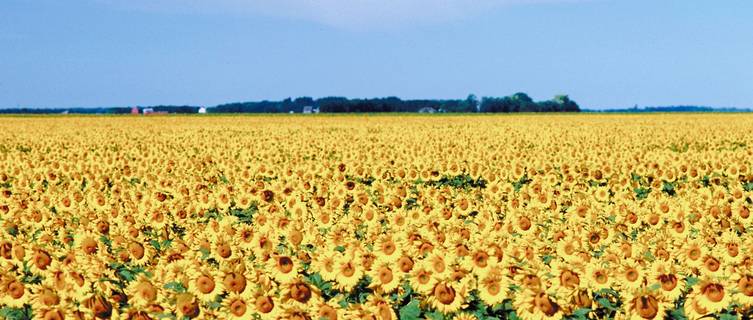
<point>636,109</point>
<point>519,102</point>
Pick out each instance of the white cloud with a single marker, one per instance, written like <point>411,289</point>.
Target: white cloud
<point>348,14</point>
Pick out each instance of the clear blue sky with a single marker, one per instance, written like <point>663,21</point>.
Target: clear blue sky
<point>603,53</point>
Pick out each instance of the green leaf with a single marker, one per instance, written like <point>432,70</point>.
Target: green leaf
<point>410,311</point>
<point>581,313</point>
<point>175,286</point>
<point>728,316</point>
<point>691,281</point>
<point>436,315</point>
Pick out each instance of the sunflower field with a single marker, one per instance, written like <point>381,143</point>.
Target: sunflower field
<point>377,217</point>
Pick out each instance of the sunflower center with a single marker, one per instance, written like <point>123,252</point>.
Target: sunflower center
<point>53,315</point>
<point>327,312</point>
<point>647,306</point>
<point>16,290</point>
<point>733,250</point>
<point>42,260</point>
<point>713,292</point>
<point>594,238</point>
<point>745,285</point>
<point>136,250</point>
<point>348,269</point>
<point>224,250</point>
<point>601,277</point>
<point>89,246</point>
<point>694,253</point>
<point>444,294</point>
<point>668,282</point>
<point>524,223</point>
<point>545,305</point>
<point>711,264</point>
<point>531,281</point>
<point>300,292</point>
<point>631,275</point>
<point>264,304</point>
<point>582,299</point>
<point>480,259</point>
<point>49,298</point>
<point>285,264</point>
<point>569,279</point>
<point>238,307</point>
<point>235,282</point>
<point>493,288</point>
<point>205,284</point>
<point>147,291</point>
<point>385,275</point>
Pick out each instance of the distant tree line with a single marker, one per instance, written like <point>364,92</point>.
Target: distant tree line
<point>519,102</point>
<point>636,109</point>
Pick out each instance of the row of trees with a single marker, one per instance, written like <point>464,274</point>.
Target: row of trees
<point>519,102</point>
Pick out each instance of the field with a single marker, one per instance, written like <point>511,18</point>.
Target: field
<point>377,217</point>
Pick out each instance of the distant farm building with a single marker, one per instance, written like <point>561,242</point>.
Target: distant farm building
<point>135,110</point>
<point>427,110</point>
<point>202,110</point>
<point>151,112</point>
<point>310,109</point>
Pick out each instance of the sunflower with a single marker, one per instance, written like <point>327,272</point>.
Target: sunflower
<point>326,265</point>
<point>142,292</point>
<point>387,250</point>
<point>710,295</point>
<point>348,273</point>
<point>283,268</point>
<point>645,304</point>
<point>236,306</point>
<point>691,253</point>
<point>266,305</point>
<point>534,304</point>
<point>381,307</point>
<point>598,277</point>
<point>14,292</point>
<point>447,297</point>
<point>743,288</point>
<point>383,277</point>
<point>205,284</point>
<point>493,287</point>
<point>630,275</point>
<point>186,305</point>
<point>567,277</point>
<point>235,280</point>
<point>422,278</point>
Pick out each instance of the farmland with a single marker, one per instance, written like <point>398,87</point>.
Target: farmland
<point>388,217</point>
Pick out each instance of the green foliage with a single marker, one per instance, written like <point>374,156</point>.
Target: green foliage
<point>245,215</point>
<point>461,181</point>
<point>410,311</point>
<point>642,193</point>
<point>10,313</point>
<point>669,188</point>
<point>521,182</point>
<point>175,286</point>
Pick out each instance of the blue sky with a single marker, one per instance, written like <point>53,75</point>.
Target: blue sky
<point>603,53</point>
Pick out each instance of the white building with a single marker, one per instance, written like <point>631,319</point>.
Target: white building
<point>427,110</point>
<point>310,109</point>
<point>202,110</point>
